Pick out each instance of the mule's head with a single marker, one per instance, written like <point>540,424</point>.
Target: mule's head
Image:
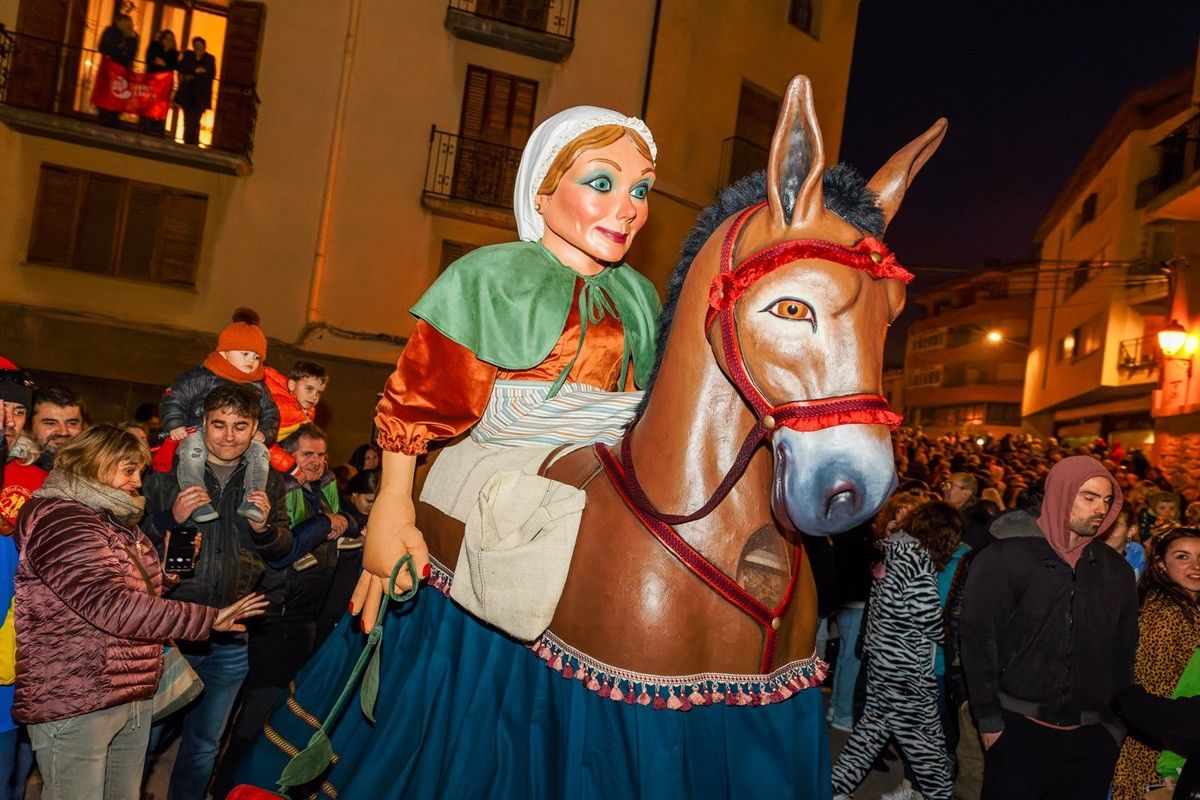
<point>814,298</point>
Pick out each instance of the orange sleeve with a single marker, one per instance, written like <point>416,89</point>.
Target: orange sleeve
<point>439,390</point>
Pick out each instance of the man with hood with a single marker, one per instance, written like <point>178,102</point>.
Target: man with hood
<point>1048,633</point>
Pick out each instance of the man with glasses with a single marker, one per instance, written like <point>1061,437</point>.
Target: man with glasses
<point>960,489</point>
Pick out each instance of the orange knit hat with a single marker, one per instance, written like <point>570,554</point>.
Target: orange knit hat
<point>243,334</point>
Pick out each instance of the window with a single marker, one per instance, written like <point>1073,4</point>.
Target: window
<point>452,251</point>
<point>804,14</point>
<point>1087,211</point>
<point>748,148</point>
<point>929,341</point>
<point>926,377</point>
<point>1079,278</point>
<point>108,225</point>
<point>1003,413</point>
<point>530,14</point>
<point>497,118</point>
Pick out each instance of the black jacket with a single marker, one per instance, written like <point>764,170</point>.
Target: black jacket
<point>182,403</point>
<point>195,90</point>
<point>1043,640</point>
<point>156,50</point>
<point>119,47</point>
<point>231,554</point>
<point>299,594</point>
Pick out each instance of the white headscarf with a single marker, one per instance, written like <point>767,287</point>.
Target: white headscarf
<point>546,143</point>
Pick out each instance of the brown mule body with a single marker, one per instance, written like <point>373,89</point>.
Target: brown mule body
<point>628,601</point>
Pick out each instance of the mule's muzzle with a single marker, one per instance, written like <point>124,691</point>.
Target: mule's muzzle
<point>830,480</point>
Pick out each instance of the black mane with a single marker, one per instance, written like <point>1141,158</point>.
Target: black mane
<point>846,194</point>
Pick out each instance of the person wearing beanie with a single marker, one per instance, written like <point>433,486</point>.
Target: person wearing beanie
<point>21,474</point>
<point>241,351</point>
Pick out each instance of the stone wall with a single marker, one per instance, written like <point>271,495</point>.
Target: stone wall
<point>1177,445</point>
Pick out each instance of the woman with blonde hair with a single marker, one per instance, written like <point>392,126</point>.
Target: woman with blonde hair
<point>91,620</point>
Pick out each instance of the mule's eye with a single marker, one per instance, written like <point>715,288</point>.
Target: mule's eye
<point>791,308</point>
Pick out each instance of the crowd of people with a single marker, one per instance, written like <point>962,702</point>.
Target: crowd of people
<point>196,70</point>
<point>268,551</point>
<point>1012,611</point>
<point>1019,618</point>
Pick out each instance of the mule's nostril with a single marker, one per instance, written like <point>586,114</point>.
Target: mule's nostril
<point>844,501</point>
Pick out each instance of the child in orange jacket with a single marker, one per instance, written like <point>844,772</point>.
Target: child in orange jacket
<point>296,396</point>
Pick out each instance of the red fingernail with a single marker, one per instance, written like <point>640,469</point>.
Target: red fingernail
<point>363,624</point>
<point>425,572</point>
<point>352,608</point>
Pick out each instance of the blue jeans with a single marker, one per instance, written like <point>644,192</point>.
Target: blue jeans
<point>849,621</point>
<point>222,664</point>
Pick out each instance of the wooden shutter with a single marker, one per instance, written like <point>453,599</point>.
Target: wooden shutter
<point>452,251</point>
<point>180,238</point>
<point>475,95</point>
<point>33,71</point>
<point>497,110</point>
<point>60,193</point>
<point>233,128</point>
<point>143,208</point>
<point>521,117</point>
<point>96,238</point>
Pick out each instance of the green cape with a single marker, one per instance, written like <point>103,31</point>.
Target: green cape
<point>508,305</point>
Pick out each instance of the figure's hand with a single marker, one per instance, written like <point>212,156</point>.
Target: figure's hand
<point>188,501</point>
<point>179,434</point>
<point>989,739</point>
<point>394,534</point>
<point>252,605</point>
<point>260,499</point>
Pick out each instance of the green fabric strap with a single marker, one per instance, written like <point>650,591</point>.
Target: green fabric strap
<point>309,763</point>
<point>508,304</point>
<point>1169,763</point>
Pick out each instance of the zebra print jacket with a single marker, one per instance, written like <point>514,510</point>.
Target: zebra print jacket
<point>904,621</point>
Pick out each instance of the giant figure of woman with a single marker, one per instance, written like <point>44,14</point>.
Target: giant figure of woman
<point>559,306</point>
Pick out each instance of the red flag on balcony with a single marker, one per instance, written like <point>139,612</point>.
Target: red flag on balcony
<point>119,89</point>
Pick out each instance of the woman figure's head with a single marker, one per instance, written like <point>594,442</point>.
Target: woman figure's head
<point>1174,569</point>
<point>362,489</point>
<point>938,527</point>
<point>166,38</point>
<point>582,186</point>
<point>107,455</point>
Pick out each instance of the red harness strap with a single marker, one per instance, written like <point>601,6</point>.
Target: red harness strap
<point>708,572</point>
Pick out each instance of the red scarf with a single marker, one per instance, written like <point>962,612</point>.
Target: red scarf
<point>217,365</point>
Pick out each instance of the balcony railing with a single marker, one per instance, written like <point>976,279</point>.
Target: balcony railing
<point>542,29</point>
<point>1138,354</point>
<point>55,78</point>
<point>462,168</point>
<point>1180,158</point>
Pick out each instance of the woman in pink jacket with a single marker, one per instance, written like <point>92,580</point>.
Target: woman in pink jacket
<point>91,621</point>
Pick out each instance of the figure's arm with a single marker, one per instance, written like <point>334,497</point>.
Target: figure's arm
<point>985,609</point>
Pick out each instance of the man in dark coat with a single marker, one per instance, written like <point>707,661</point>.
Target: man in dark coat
<point>197,68</point>
<point>1048,632</point>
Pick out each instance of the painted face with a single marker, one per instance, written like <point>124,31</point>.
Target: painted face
<point>307,391</point>
<point>310,458</point>
<point>1182,563</point>
<point>1091,506</point>
<point>54,426</point>
<point>599,206</point>
<point>125,476</point>
<point>363,502</point>
<point>242,359</point>
<point>227,435</point>
<point>14,422</point>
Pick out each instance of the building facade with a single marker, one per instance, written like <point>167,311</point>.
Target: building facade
<point>1101,290</point>
<point>354,148</point>
<point>965,357</point>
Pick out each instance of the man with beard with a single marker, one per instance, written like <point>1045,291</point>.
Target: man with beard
<point>1048,633</point>
<point>57,419</point>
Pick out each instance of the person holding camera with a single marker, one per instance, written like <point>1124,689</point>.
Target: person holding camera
<point>230,562</point>
<point>91,621</point>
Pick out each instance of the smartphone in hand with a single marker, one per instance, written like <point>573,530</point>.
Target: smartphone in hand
<point>180,556</point>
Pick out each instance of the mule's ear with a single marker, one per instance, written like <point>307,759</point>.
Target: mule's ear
<point>797,159</point>
<point>893,179</point>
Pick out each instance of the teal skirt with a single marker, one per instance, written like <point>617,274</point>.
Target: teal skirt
<point>466,712</point>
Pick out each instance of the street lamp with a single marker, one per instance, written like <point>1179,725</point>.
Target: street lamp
<point>995,337</point>
<point>1171,339</point>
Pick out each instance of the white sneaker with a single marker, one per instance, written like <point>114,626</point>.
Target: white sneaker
<point>904,791</point>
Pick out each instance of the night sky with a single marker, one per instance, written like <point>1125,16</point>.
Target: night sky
<point>1026,86</point>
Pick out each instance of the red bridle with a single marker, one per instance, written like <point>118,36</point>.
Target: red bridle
<point>869,255</point>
